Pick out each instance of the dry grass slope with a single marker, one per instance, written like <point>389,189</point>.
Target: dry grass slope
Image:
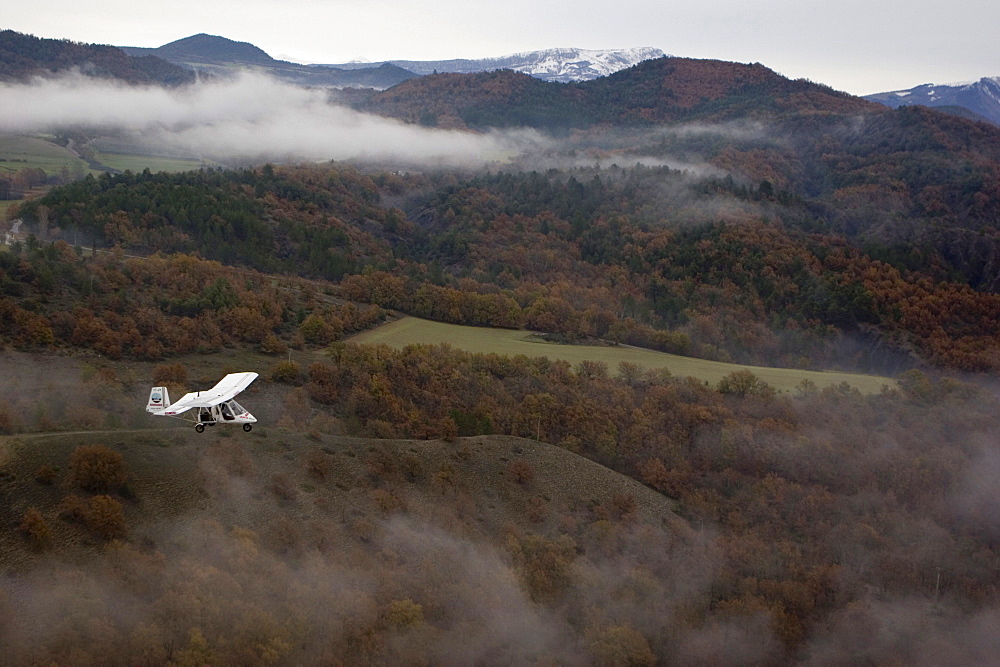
<point>274,476</point>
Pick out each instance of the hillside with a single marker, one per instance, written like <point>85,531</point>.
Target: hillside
<point>789,520</point>
<point>393,535</point>
<point>24,56</point>
<point>656,91</point>
<point>431,504</point>
<point>221,56</point>
<point>202,48</point>
<point>644,256</point>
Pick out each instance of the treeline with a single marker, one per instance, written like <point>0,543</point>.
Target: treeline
<point>713,267</point>
<point>23,56</point>
<point>652,92</point>
<point>159,307</point>
<point>819,497</point>
<point>275,223</point>
<point>753,284</point>
<point>822,509</point>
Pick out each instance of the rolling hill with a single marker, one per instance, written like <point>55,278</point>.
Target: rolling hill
<point>279,504</point>
<point>425,504</point>
<point>662,90</point>
<point>24,56</point>
<point>221,56</point>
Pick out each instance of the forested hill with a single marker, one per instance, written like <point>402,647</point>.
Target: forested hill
<point>23,56</point>
<point>220,56</point>
<point>655,91</point>
<point>646,256</point>
<point>915,187</point>
<point>207,49</point>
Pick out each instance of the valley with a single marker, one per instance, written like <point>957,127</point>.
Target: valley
<point>690,363</point>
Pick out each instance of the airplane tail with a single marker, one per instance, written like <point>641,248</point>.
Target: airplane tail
<point>159,399</point>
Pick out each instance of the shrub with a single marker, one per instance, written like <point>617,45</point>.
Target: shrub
<point>97,468</point>
<point>106,517</point>
<point>522,471</point>
<point>620,645</point>
<point>36,530</point>
<point>318,464</point>
<point>271,344</point>
<point>315,330</point>
<point>287,372</point>
<point>385,500</point>
<point>404,613</point>
<point>744,383</point>
<point>72,508</point>
<point>46,474</point>
<point>282,487</point>
<point>170,374</point>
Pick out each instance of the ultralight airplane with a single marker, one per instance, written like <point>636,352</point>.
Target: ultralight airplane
<point>214,406</point>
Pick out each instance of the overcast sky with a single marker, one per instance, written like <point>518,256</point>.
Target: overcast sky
<point>859,46</point>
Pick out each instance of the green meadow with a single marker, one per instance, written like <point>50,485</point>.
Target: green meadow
<point>410,330</point>
<point>20,152</point>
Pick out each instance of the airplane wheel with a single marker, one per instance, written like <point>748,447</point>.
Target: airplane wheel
<point>247,427</point>
<point>200,428</point>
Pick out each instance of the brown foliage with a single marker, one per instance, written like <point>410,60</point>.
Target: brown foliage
<point>521,471</point>
<point>36,530</point>
<point>105,516</point>
<point>46,474</point>
<point>97,468</point>
<point>545,564</point>
<point>287,372</point>
<point>318,464</point>
<point>170,374</point>
<point>620,645</point>
<point>404,613</point>
<point>283,487</point>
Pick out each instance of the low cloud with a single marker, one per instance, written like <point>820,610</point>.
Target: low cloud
<point>248,117</point>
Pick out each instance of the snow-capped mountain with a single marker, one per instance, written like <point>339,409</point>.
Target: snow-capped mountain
<point>563,65</point>
<point>981,97</point>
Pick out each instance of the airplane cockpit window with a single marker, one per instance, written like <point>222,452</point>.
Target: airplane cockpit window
<point>236,408</point>
<point>227,413</point>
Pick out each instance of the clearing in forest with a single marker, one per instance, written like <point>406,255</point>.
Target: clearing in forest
<point>410,330</point>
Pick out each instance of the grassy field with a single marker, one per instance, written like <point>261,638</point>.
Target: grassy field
<point>136,163</point>
<point>510,342</point>
<point>19,152</point>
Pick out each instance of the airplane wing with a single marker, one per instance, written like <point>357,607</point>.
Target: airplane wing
<point>227,388</point>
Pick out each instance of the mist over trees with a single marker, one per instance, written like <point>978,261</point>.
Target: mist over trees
<point>648,256</point>
<point>433,506</point>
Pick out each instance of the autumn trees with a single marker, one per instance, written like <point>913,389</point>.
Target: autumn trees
<point>647,256</point>
<point>159,307</point>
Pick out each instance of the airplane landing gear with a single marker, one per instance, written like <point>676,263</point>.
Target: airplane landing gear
<point>200,428</point>
<point>248,427</point>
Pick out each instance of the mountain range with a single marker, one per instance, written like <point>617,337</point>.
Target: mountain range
<point>981,98</point>
<point>563,65</point>
<point>174,63</point>
<point>220,56</point>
